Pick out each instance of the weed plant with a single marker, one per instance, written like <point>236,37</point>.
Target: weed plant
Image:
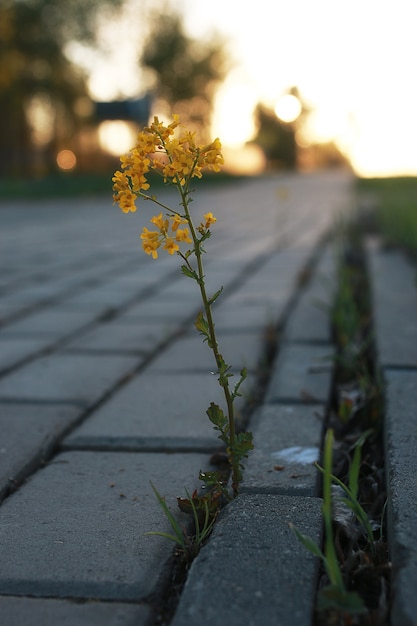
<point>171,153</point>
<point>354,554</point>
<point>334,595</point>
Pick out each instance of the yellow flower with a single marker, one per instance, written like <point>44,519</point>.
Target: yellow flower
<point>210,219</point>
<point>183,234</point>
<point>170,245</point>
<point>150,242</point>
<point>176,221</point>
<point>162,224</point>
<point>147,143</point>
<point>127,201</point>
<point>122,193</point>
<point>211,156</point>
<point>162,131</point>
<point>120,181</point>
<point>136,165</point>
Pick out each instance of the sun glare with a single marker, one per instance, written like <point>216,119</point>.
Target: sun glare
<point>116,136</point>
<point>365,84</point>
<point>233,113</point>
<point>247,160</point>
<point>288,108</point>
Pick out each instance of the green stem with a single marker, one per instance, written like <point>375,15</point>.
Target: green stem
<point>212,336</point>
<point>184,192</point>
<point>156,201</point>
<point>332,565</point>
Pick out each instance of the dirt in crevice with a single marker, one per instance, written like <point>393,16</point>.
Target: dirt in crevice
<point>357,406</point>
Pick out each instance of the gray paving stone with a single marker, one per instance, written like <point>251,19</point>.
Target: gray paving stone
<point>66,377</point>
<point>29,433</point>
<point>287,441</point>
<point>301,373</point>
<point>246,574</point>
<point>220,273</point>
<point>42,291</point>
<point>15,349</point>
<point>53,321</point>
<point>144,273</point>
<point>115,336</point>
<point>395,305</point>
<point>156,410</point>
<point>101,295</point>
<point>24,297</point>
<point>310,320</point>
<point>281,269</point>
<point>49,612</point>
<point>242,312</point>
<point>77,527</point>
<point>191,353</point>
<point>157,308</point>
<point>401,441</point>
<point>9,311</point>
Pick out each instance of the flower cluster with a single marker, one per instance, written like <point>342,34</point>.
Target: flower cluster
<point>204,226</point>
<point>177,159</point>
<point>169,234</point>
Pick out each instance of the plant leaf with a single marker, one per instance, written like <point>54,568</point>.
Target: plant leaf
<point>201,324</point>
<point>179,535</point>
<point>167,536</point>
<point>215,296</point>
<point>187,271</point>
<point>333,597</point>
<point>217,417</point>
<point>307,542</point>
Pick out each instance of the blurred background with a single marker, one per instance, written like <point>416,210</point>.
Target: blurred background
<point>290,84</point>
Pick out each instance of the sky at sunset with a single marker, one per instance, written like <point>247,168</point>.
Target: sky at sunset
<point>354,64</point>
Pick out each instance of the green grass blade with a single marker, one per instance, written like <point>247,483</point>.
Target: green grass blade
<point>179,535</point>
<point>307,542</point>
<point>167,536</point>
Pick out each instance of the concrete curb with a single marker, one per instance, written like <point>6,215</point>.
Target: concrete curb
<point>396,334</point>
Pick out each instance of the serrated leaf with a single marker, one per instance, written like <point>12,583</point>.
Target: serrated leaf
<point>243,376</point>
<point>201,324</point>
<point>216,416</point>
<point>215,296</point>
<point>187,271</point>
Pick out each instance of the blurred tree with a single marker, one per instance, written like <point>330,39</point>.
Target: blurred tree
<point>185,72</point>
<point>324,155</point>
<point>276,139</point>
<point>40,90</point>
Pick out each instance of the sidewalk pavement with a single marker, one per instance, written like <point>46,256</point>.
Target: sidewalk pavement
<point>104,385</point>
